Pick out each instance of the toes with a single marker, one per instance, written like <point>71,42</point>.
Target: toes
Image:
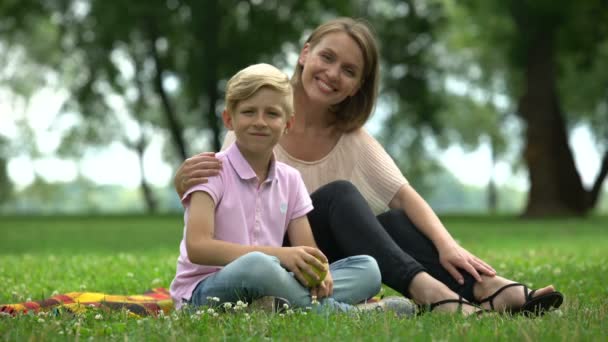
<point>545,290</point>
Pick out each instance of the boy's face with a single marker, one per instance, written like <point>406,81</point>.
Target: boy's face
<point>259,121</point>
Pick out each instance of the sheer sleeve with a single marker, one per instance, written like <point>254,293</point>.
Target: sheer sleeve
<point>376,172</point>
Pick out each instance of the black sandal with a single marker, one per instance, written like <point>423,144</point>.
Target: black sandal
<point>534,306</point>
<point>422,309</point>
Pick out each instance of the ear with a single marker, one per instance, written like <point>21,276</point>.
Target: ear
<point>304,54</point>
<point>227,118</point>
<point>289,122</point>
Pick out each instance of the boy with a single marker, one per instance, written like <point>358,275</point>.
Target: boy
<point>235,223</point>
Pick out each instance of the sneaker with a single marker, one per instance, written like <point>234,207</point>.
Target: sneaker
<point>270,304</point>
<point>401,306</point>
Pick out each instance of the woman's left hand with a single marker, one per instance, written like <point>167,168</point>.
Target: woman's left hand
<point>454,257</point>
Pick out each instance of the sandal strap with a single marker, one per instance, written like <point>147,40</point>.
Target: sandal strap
<point>490,298</point>
<point>460,302</point>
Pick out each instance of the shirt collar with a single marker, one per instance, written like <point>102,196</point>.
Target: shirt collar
<point>242,167</point>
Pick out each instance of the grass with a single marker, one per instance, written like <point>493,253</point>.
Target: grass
<point>40,256</point>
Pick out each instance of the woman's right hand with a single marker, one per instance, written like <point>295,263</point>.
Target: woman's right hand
<point>195,170</point>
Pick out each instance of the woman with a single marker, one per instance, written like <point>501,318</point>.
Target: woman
<point>335,89</point>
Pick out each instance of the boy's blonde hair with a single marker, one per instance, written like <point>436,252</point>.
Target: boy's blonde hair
<point>248,81</point>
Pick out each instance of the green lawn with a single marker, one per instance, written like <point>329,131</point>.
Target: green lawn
<point>40,256</point>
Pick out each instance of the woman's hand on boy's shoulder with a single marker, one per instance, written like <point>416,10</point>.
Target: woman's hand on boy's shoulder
<point>195,170</point>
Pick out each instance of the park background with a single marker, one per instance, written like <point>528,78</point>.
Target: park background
<point>486,106</point>
<point>496,112</point>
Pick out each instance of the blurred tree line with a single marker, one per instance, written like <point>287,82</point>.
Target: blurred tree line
<point>517,74</point>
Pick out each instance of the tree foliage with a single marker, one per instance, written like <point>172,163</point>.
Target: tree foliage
<point>137,69</point>
<point>543,54</point>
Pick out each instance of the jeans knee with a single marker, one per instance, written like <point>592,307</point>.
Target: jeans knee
<point>374,275</point>
<point>370,277</point>
<point>255,266</point>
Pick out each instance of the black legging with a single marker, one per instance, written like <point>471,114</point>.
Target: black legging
<point>343,225</point>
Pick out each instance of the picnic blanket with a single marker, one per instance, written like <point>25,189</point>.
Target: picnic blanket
<point>149,303</point>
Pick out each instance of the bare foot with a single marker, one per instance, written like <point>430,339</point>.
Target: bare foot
<point>510,299</point>
<point>427,291</point>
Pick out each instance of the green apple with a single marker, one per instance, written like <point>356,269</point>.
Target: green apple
<point>321,273</point>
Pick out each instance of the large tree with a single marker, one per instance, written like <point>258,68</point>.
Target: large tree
<point>539,48</point>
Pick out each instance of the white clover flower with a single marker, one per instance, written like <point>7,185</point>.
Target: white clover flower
<point>215,299</point>
<point>285,306</point>
<point>98,317</point>
<point>210,311</point>
<point>29,299</point>
<point>247,317</point>
<point>303,313</point>
<point>215,314</point>
<point>199,312</point>
<point>227,305</point>
<point>240,303</point>
<point>289,312</point>
<point>54,293</point>
<point>40,320</point>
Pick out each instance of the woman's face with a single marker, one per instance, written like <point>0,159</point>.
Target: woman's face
<point>332,68</point>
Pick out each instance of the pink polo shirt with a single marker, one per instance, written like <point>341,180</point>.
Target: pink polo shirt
<point>244,213</point>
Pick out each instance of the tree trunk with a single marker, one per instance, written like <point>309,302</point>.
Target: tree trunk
<point>556,188</point>
<point>555,184</point>
<point>146,190</point>
<point>492,199</point>
<point>175,128</point>
<point>208,37</point>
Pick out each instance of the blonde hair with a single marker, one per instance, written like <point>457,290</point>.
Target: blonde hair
<point>248,81</point>
<point>353,112</point>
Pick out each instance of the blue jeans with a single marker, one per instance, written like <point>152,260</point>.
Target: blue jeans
<point>256,275</point>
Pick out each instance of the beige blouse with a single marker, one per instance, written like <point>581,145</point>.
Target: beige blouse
<point>358,158</point>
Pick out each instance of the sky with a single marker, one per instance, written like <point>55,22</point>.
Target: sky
<point>115,164</point>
